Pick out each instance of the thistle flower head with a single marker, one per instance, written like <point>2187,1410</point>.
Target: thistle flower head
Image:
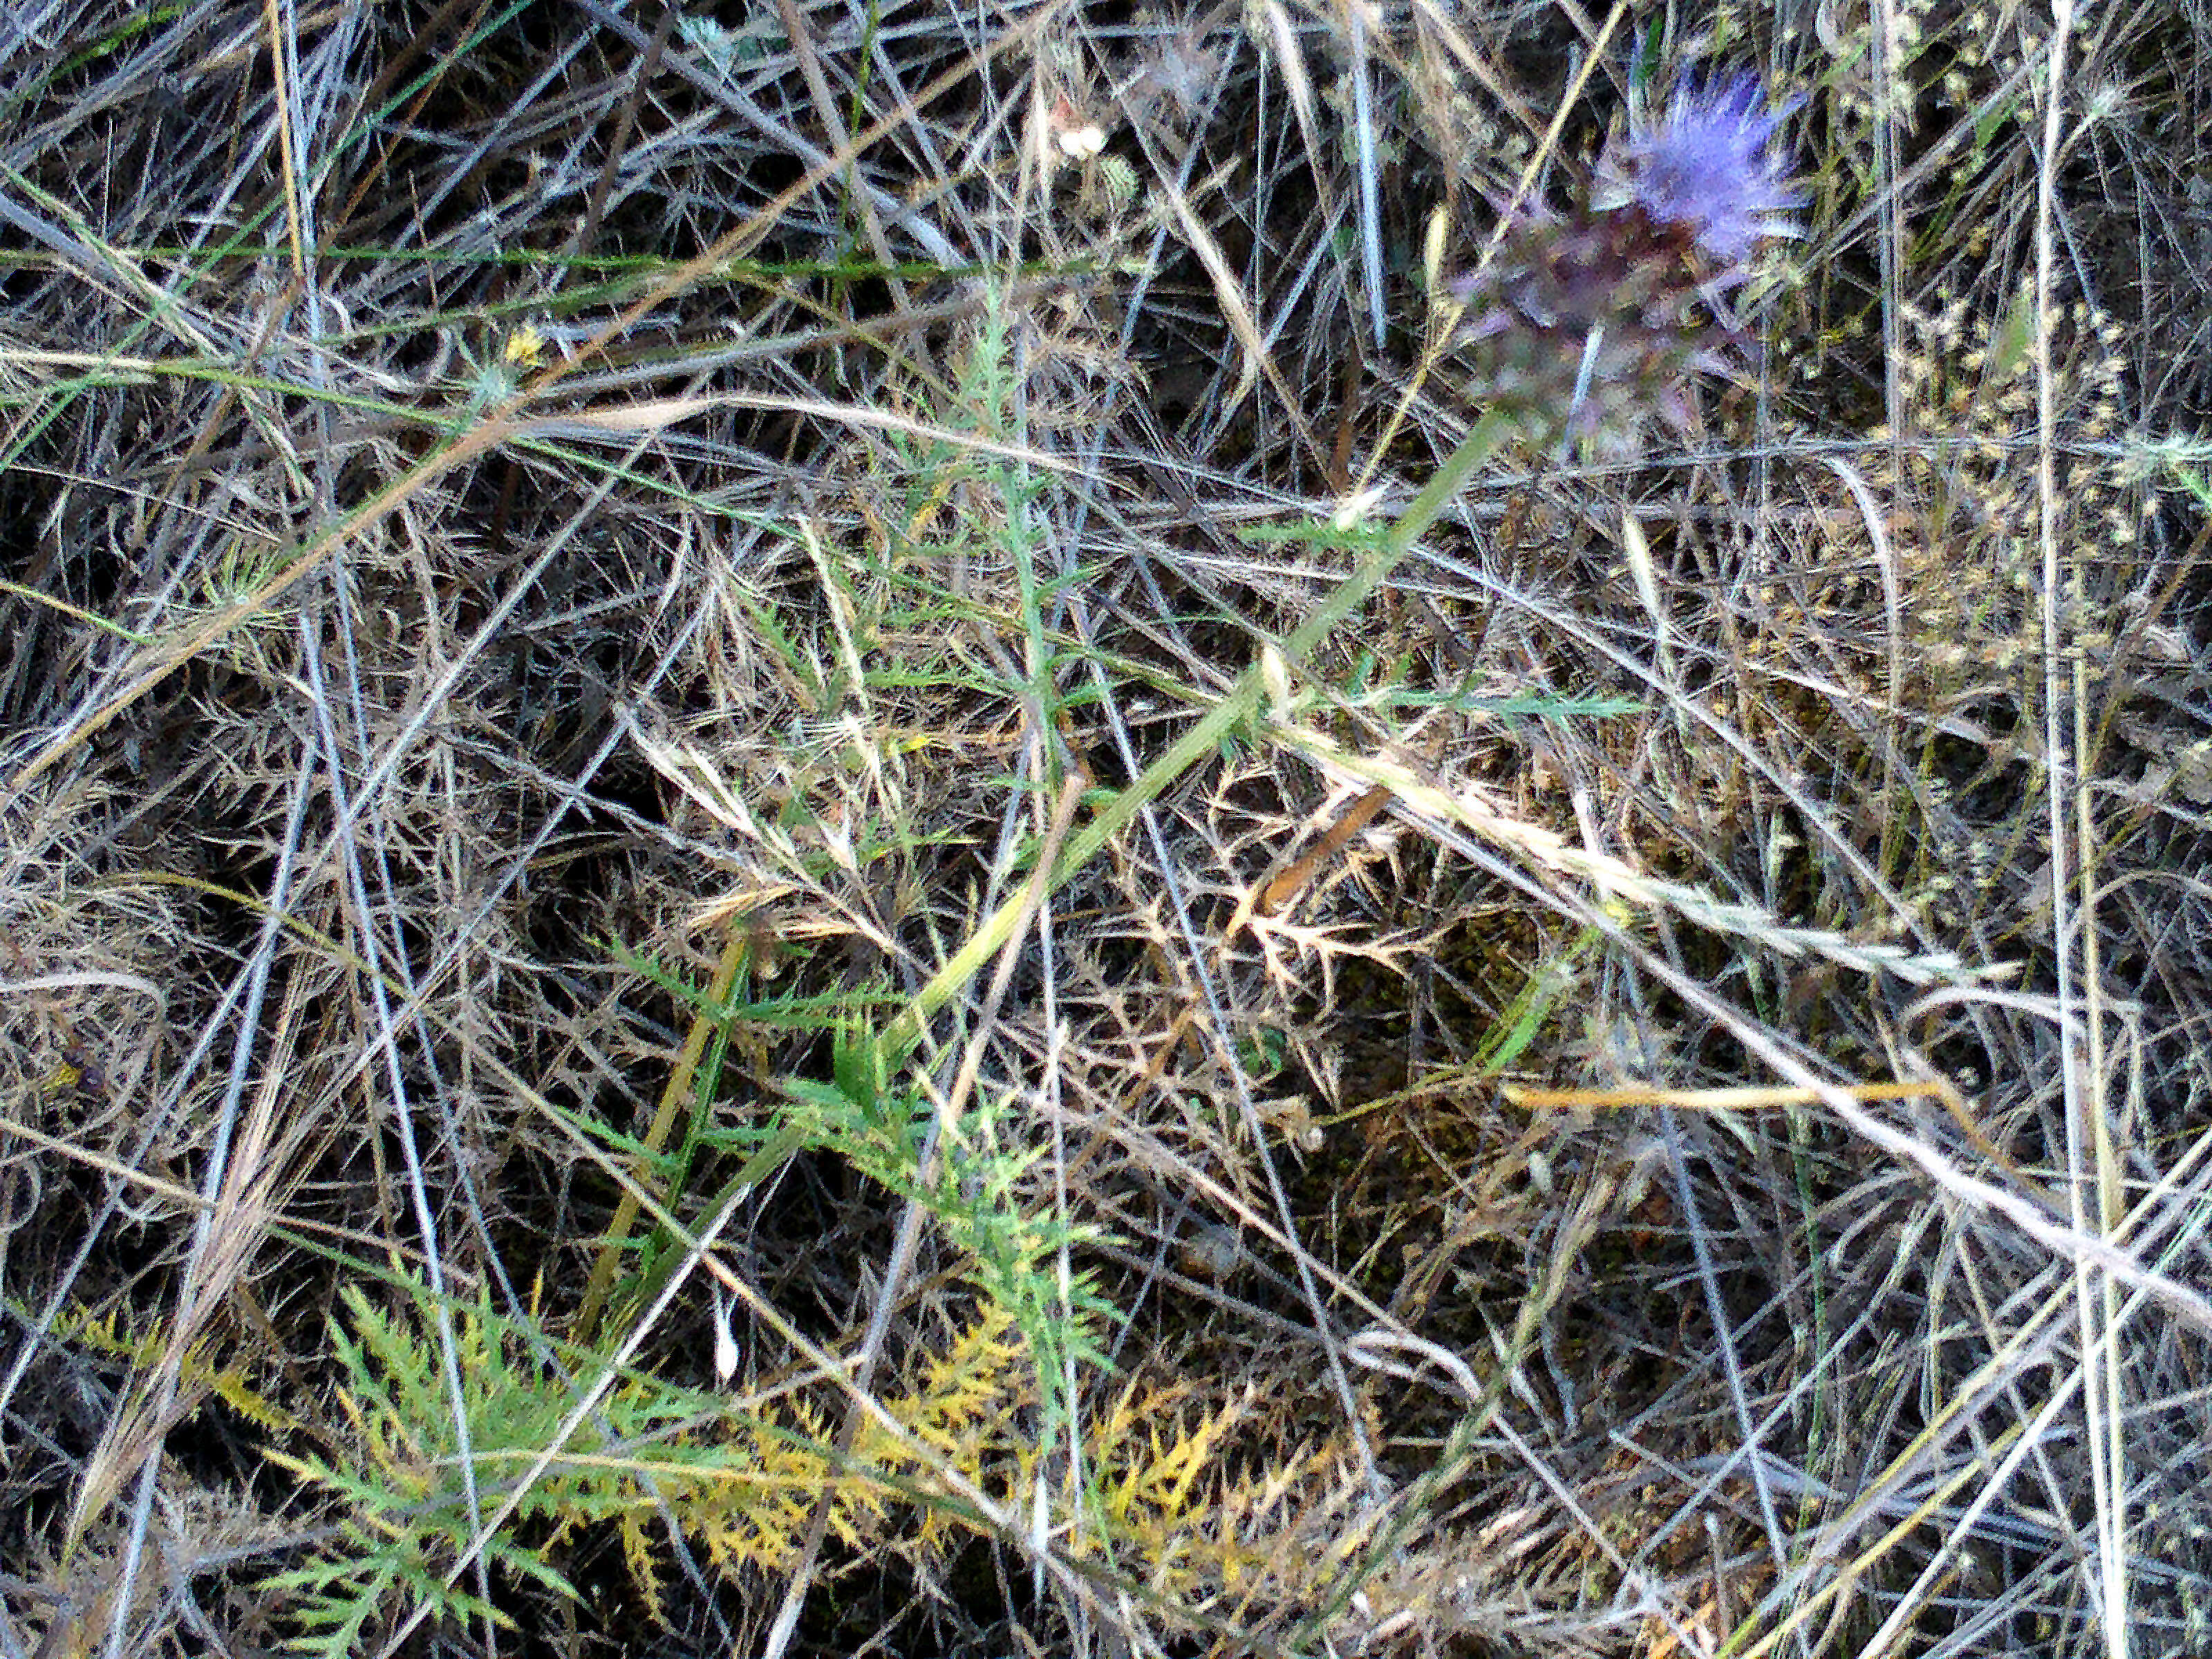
<point>1596,318</point>
<point>1705,168</point>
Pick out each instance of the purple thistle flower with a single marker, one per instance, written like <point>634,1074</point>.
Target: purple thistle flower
<point>1705,169</point>
<point>1597,318</point>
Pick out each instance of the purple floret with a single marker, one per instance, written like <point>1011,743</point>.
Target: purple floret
<point>1705,168</point>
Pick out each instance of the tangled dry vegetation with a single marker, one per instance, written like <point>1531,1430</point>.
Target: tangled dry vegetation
<point>688,969</point>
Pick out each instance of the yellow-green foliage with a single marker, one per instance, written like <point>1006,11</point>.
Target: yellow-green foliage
<point>195,1371</point>
<point>744,1485</point>
<point>1201,1515</point>
<point>741,1482</point>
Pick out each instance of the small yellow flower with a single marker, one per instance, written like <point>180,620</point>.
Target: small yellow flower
<point>524,346</point>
